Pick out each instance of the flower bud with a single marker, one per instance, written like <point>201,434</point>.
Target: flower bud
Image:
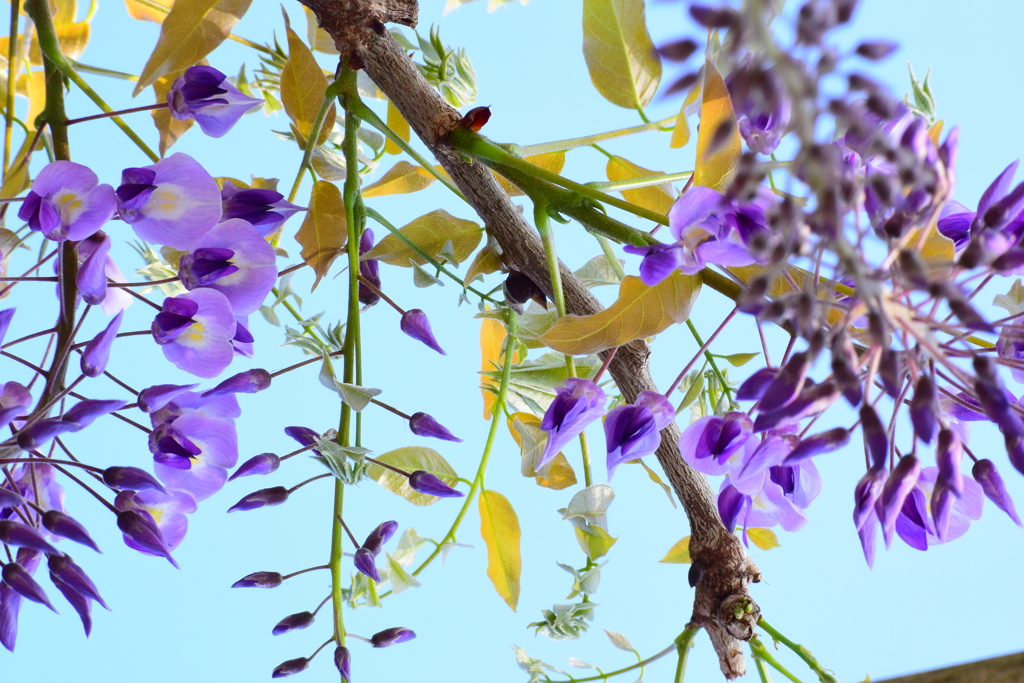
<point>64,569</point>
<point>922,409</point>
<point>343,660</point>
<point>415,324</point>
<point>391,636</point>
<point>422,424</point>
<point>139,526</point>
<point>949,452</point>
<point>897,487</point>
<point>259,580</point>
<point>10,499</point>
<point>292,666</point>
<point>130,478</point>
<point>156,397</point>
<point>364,562</point>
<point>22,535</point>
<point>875,437</point>
<point>753,387</point>
<point>84,413</point>
<point>41,432</point>
<point>97,351</point>
<point>264,463</point>
<point>876,50</point>
<point>985,473</point>
<point>293,622</point>
<point>369,269</point>
<point>18,578</point>
<point>64,525</point>
<point>379,536</point>
<point>823,442</point>
<point>79,602</point>
<point>425,482</point>
<point>248,382</point>
<point>262,498</point>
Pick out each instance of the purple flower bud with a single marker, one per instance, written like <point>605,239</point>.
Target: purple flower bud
<point>898,486</point>
<point>379,536</point>
<point>415,324</point>
<point>985,473</point>
<point>292,666</point>
<point>949,452</point>
<point>365,563</point>
<point>84,413</point>
<point>5,322</point>
<point>97,351</point>
<point>391,636</point>
<point>262,498</point>
<point>923,408</point>
<point>343,660</point>
<point>369,269</point>
<point>823,442</point>
<point>41,432</point>
<point>753,387</point>
<point>259,580</point>
<point>304,435</point>
<point>293,622</point>
<point>79,602</point>
<point>875,437</point>
<point>9,499</point>
<point>942,506</point>
<point>865,494</point>
<point>131,478</point>
<point>21,581</point>
<point>139,526</point>
<point>876,50</point>
<point>24,536</point>
<point>64,525</point>
<point>422,424</point>
<point>264,463</point>
<point>92,277</point>
<point>248,382</point>
<point>204,94</point>
<point>427,483</point>
<point>156,397</point>
<point>787,384</point>
<point>813,399</point>
<point>65,569</point>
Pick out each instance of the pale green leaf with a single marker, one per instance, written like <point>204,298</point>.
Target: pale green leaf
<point>589,507</point>
<point>355,396</point>
<point>499,527</point>
<point>594,541</point>
<point>738,360</point>
<point>410,542</point>
<point>597,272</point>
<point>623,64</point>
<point>421,278</point>
<point>401,580</point>
<point>411,458</point>
<point>620,641</point>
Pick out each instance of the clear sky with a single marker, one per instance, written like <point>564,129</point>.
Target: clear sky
<point>913,611</point>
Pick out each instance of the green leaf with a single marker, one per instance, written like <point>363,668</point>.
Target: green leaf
<point>597,272</point>
<point>411,458</point>
<point>402,178</point>
<point>303,87</point>
<point>499,527</point>
<point>716,155</point>
<point>428,232</point>
<point>620,641</point>
<point>191,30</point>
<point>623,64</point>
<point>694,391</point>
<point>421,278</point>
<point>589,507</point>
<point>401,580</point>
<point>738,360</point>
<point>678,553</point>
<point>410,542</point>
<point>594,541</point>
<point>323,234</point>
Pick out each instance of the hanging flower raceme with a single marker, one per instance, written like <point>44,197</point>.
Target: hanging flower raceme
<point>67,202</point>
<point>204,94</point>
<point>265,209</point>
<point>633,431</point>
<point>195,331</point>
<point>577,403</point>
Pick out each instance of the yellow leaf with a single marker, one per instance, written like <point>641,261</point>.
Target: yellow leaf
<point>73,38</point>
<point>303,85</point>
<point>764,539</point>
<point>681,131</point>
<point>679,553</point>
<point>400,179</point>
<point>320,39</point>
<point>410,459</point>
<point>427,174</point>
<point>653,476</point>
<point>640,311</point>
<point>136,10</point>
<point>323,234</point>
<point>485,262</point>
<point>935,250</point>
<point>550,161</point>
<point>191,30</point>
<point>499,527</point>
<point>935,131</point>
<point>714,165</point>
<point>428,232</point>
<point>783,284</point>
<point>594,541</point>
<point>623,64</point>
<point>17,179</point>
<point>657,198</point>
<point>560,474</point>
<point>33,86</point>
<point>492,346</point>
<point>397,123</point>
<point>64,11</point>
<point>557,474</point>
<point>170,128</point>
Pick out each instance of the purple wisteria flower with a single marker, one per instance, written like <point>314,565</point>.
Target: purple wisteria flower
<point>156,397</point>
<point>422,424</point>
<point>142,533</point>
<point>917,521</point>
<point>10,599</point>
<point>193,453</point>
<point>715,445</point>
<point>67,202</point>
<point>168,511</point>
<point>292,666</point>
<point>173,202</point>
<point>30,480</point>
<point>15,402</point>
<point>97,269</point>
<point>634,430</point>
<point>577,403</point>
<point>97,351</point>
<point>195,331</point>
<point>234,259</point>
<point>204,94</point>
<point>762,107</point>
<point>415,324</point>
<point>266,210</point>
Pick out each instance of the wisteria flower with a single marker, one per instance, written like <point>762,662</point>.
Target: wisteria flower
<point>15,402</point>
<point>67,202</point>
<point>266,210</point>
<point>95,273</point>
<point>173,202</point>
<point>762,108</point>
<point>633,431</point>
<point>577,403</point>
<point>10,600</point>
<point>235,260</point>
<point>195,331</point>
<point>715,445</point>
<point>207,446</point>
<point>916,523</point>
<point>168,510</point>
<point>204,94</point>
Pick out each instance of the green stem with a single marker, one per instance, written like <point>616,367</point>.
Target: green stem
<point>633,667</point>
<point>100,71</point>
<point>609,253</point>
<point>802,652</point>
<point>12,65</point>
<point>330,94</point>
<point>758,649</point>
<point>710,358</point>
<point>588,140</point>
<point>643,181</point>
<point>762,670</point>
<point>684,643</point>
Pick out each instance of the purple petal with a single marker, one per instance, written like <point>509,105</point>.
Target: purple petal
<point>365,563</point>
<point>92,277</point>
<point>577,403</point>
<point>379,536</point>
<point>898,486</point>
<point>78,601</point>
<point>415,324</point>
<point>693,206</point>
<point>292,666</point>
<point>41,432</point>
<point>876,438</point>
<point>422,424</point>
<point>97,351</point>
<point>139,527</point>
<point>823,442</point>
<point>985,473</point>
<point>427,483</point>
<point>754,387</point>
<point>64,525</point>
<point>253,260</point>
<point>343,662</point>
<point>264,463</point>
<point>262,498</point>
<point>18,578</point>
<point>156,397</point>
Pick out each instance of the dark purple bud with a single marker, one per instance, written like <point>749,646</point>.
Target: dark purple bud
<point>262,498</point>
<point>379,536</point>
<point>69,573</point>
<point>949,452</point>
<point>753,387</point>
<point>64,525</point>
<point>891,372</point>
<point>787,384</point>
<point>156,397</point>
<point>92,279</point>
<point>259,580</point>
<point>84,413</point>
<point>139,526</point>
<point>131,478</point>
<point>343,660</point>
<point>97,351</point>
<point>1015,451</point>
<point>865,494</point>
<point>415,324</point>
<point>712,17</point>
<point>10,499</point>
<point>293,622</point>
<point>304,435</point>
<point>292,666</point>
<point>898,486</point>
<point>730,504</point>
<point>248,382</point>
<point>264,463</point>
<point>812,399</point>
<point>985,473</point>
<point>519,289</point>
<point>24,536</point>
<point>875,437</point>
<point>876,50</point>
<point>41,432</point>
<point>425,482</point>
<point>78,601</point>
<point>365,563</point>
<point>18,578</point>
<point>422,424</point>
<point>824,442</point>
<point>391,636</point>
<point>679,50</point>
<point>923,408</point>
<point>369,269</point>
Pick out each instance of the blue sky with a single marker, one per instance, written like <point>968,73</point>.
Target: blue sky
<point>908,614</point>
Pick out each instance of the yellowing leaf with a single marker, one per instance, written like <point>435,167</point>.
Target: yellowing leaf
<point>170,128</point>
<point>17,179</point>
<point>64,11</point>
<point>764,539</point>
<point>190,32</point>
<point>639,312</point>
<point>679,553</point>
<point>136,10</point>
<point>33,86</point>
<point>486,261</point>
<point>492,351</point>
<point>320,39</point>
<point>936,250</point>
<point>716,157</point>
<point>935,131</point>
<point>557,474</point>
<point>549,161</point>
<point>653,476</point>
<point>397,123</point>
<point>657,198</point>
<point>323,234</point>
<point>681,131</point>
<point>303,85</point>
<point>410,459</point>
<point>429,232</point>
<point>499,527</point>
<point>803,278</point>
<point>623,64</point>
<point>400,179</point>
<point>73,37</point>
<point>594,541</point>
<point>560,475</point>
